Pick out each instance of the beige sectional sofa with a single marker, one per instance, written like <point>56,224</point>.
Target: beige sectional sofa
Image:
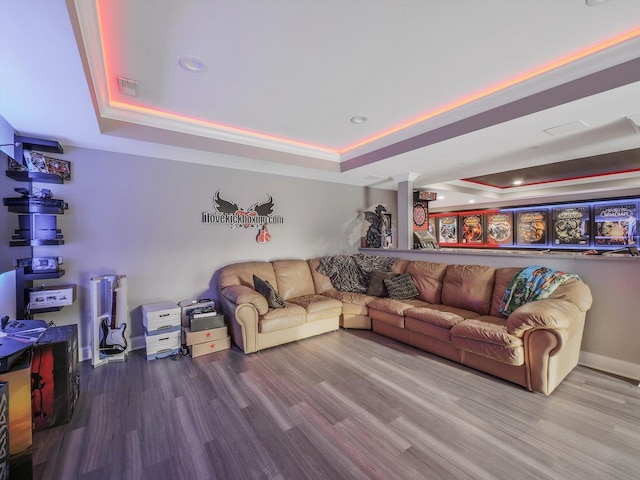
<point>455,315</point>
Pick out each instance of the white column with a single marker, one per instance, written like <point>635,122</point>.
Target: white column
<point>405,209</point>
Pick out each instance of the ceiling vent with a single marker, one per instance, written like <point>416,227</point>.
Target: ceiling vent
<point>128,86</point>
<point>567,128</point>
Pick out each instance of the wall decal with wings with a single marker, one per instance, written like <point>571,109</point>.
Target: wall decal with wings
<point>259,215</point>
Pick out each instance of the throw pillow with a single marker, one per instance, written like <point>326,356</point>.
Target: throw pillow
<point>377,287</point>
<point>267,291</point>
<point>401,287</point>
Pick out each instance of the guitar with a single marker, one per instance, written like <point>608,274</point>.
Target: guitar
<point>113,339</point>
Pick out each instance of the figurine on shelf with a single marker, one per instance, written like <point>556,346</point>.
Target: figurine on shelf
<point>377,233</point>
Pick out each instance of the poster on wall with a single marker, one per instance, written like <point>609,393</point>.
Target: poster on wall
<point>499,228</point>
<point>472,229</point>
<point>570,225</point>
<point>448,229</point>
<point>615,224</point>
<point>531,226</point>
<point>432,226</point>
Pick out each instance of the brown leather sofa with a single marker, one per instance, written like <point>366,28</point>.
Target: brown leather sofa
<point>455,316</point>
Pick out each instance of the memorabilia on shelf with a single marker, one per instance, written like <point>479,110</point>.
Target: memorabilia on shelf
<point>448,229</point>
<point>379,232</point>
<point>570,225</point>
<point>472,228</point>
<point>615,224</point>
<point>500,228</point>
<point>37,162</point>
<point>532,227</point>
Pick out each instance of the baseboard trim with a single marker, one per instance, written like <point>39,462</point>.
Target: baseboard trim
<point>136,343</point>
<point>592,360</point>
<point>610,365</point>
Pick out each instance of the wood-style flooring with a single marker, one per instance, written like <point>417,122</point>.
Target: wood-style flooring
<point>344,405</point>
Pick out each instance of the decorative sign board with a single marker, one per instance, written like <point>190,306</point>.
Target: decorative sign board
<point>259,215</point>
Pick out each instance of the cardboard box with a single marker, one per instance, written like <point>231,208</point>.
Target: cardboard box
<point>209,347</point>
<point>158,316</point>
<point>206,321</point>
<point>203,336</point>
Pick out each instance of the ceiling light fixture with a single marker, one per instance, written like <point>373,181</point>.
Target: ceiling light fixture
<point>193,64</point>
<point>517,182</point>
<point>359,119</point>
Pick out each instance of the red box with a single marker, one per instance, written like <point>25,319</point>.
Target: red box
<point>54,369</point>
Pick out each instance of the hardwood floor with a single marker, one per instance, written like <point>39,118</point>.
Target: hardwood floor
<point>345,405</point>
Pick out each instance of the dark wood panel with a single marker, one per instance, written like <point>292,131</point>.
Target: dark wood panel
<point>345,405</point>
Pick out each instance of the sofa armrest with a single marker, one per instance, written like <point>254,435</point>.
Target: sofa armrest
<point>549,313</point>
<point>239,294</point>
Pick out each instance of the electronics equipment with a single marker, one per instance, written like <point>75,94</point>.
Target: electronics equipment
<point>16,336</point>
<point>52,296</point>
<point>26,201</point>
<point>424,240</point>
<point>192,307</point>
<point>205,321</point>
<point>39,264</point>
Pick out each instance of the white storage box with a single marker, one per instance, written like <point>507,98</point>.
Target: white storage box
<point>160,316</point>
<point>159,346</point>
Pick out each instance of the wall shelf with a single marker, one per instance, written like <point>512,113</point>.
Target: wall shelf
<point>25,176</point>
<point>35,220</point>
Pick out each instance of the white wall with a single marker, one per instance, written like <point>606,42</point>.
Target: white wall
<point>141,217</point>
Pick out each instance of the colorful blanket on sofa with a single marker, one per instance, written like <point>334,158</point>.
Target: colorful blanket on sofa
<point>532,283</point>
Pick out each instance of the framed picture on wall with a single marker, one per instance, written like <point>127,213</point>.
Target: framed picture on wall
<point>570,225</point>
<point>500,228</point>
<point>472,229</point>
<point>532,227</point>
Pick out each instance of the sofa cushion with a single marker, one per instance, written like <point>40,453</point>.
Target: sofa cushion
<point>242,274</point>
<point>469,287</point>
<point>503,278</point>
<point>293,278</point>
<point>265,289</point>
<point>322,282</point>
<point>427,277</point>
<point>435,317</point>
<point>282,318</point>
<point>395,307</point>
<point>401,287</point>
<point>488,337</point>
<point>377,287</point>
<point>319,307</point>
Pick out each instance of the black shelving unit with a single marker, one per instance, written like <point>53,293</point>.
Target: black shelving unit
<point>28,235</point>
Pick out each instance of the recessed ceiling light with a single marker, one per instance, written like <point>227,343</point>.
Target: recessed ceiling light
<point>440,197</point>
<point>517,182</point>
<point>193,64</point>
<point>359,119</point>
<point>472,201</point>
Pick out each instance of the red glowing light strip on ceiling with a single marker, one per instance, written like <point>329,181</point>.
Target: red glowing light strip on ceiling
<point>428,115</point>
<point>500,86</point>
<point>219,126</point>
